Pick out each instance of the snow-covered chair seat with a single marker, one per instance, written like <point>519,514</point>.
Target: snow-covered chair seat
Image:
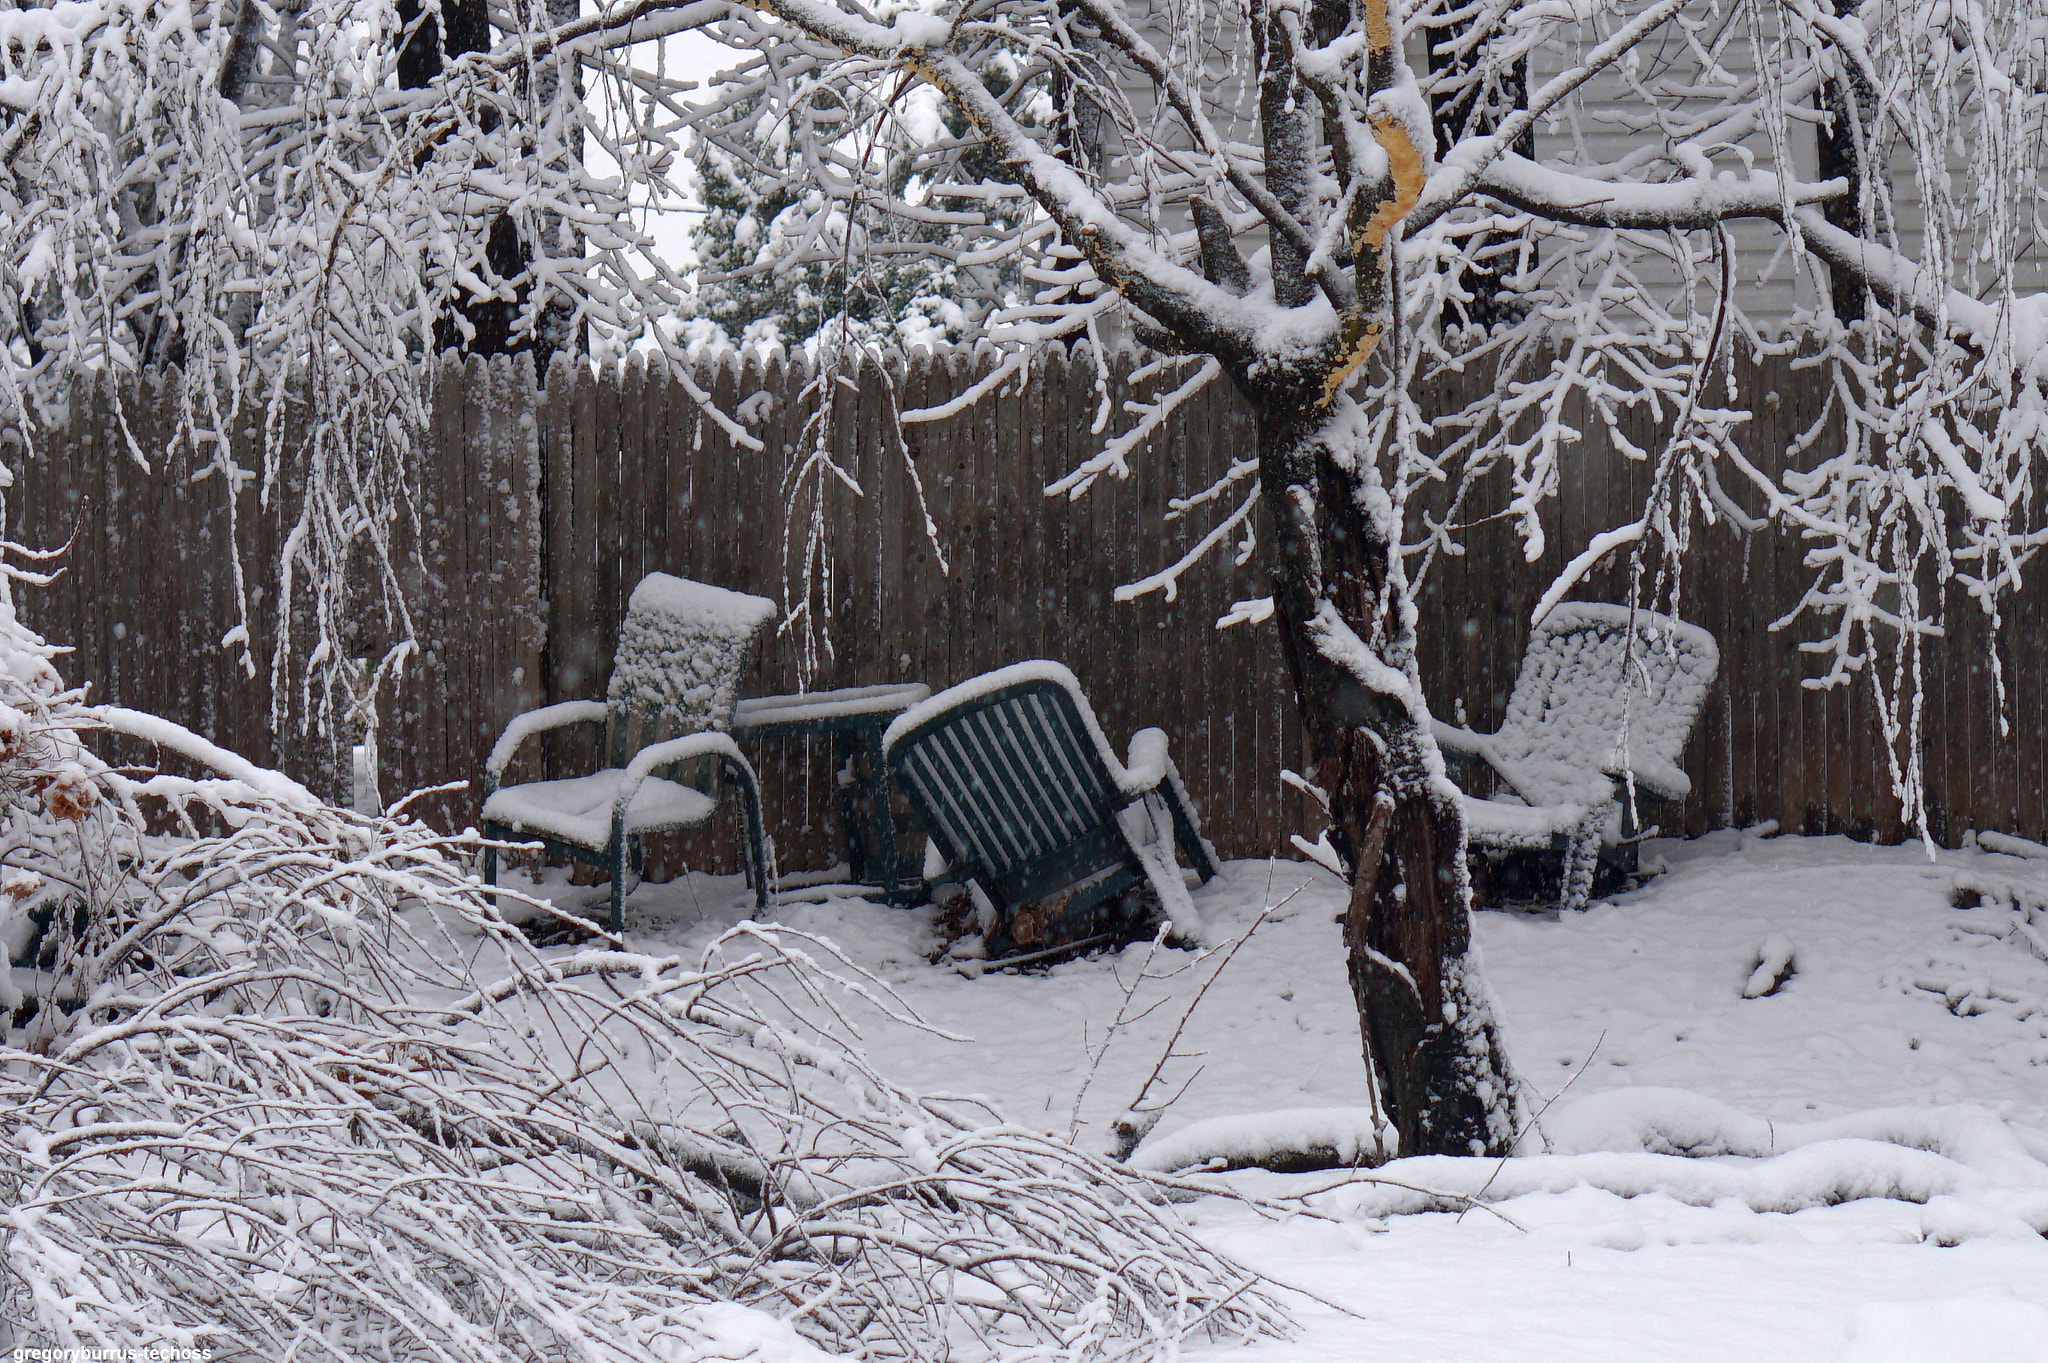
<point>1589,715</point>
<point>1029,808</point>
<point>683,648</point>
<point>579,809</point>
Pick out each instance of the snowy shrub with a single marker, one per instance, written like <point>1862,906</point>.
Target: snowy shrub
<point>290,1087</point>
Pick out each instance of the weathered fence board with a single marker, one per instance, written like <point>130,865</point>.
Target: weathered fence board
<point>537,506</point>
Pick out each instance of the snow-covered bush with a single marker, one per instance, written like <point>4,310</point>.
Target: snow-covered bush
<point>290,1086</point>
<point>1326,205</point>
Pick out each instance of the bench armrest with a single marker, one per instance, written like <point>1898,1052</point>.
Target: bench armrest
<point>533,722</point>
<point>1147,768</point>
<point>1653,776</point>
<point>1456,741</point>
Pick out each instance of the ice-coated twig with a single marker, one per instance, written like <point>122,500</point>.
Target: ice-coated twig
<point>1138,1118</point>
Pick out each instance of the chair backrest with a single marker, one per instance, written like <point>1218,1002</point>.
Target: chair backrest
<point>683,648</point>
<point>1584,692</point>
<point>1009,774</point>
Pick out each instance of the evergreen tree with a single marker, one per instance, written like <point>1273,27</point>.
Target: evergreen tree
<point>778,264</point>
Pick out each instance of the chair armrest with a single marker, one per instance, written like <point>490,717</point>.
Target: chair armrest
<point>1463,746</point>
<point>1457,741</point>
<point>1147,763</point>
<point>533,722</point>
<point>1653,776</point>
<point>675,750</point>
<point>1147,768</point>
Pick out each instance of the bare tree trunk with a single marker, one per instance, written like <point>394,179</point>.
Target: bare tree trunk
<point>420,61</point>
<point>1432,1041</point>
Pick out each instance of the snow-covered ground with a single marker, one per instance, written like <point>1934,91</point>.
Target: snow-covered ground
<point>1646,992</point>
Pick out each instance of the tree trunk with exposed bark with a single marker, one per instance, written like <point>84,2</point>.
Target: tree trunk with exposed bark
<point>1431,1036</point>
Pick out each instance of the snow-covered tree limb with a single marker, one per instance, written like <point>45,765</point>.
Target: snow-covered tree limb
<point>291,1086</point>
<point>1331,201</point>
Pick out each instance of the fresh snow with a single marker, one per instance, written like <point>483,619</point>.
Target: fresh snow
<point>1572,718</point>
<point>700,602</point>
<point>579,809</point>
<point>1345,1135</point>
<point>682,648</point>
<point>1855,1078</point>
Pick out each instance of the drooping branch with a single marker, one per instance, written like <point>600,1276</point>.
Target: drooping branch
<point>1683,205</point>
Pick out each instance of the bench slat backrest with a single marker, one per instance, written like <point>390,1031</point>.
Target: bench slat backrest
<point>1585,686</point>
<point>1009,779</point>
<point>683,649</point>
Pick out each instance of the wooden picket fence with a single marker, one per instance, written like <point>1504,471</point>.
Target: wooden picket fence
<point>542,503</point>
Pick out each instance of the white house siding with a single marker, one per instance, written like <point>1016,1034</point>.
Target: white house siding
<point>1599,126</point>
<point>1604,124</point>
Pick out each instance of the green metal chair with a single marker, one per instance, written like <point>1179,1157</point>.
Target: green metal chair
<point>1028,806</point>
<point>683,648</point>
<point>1604,702</point>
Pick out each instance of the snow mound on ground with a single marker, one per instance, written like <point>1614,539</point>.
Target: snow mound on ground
<point>1657,1121</point>
<point>1776,962</point>
<point>1286,1139</point>
<point>1675,1122</point>
<point>1821,1175</point>
<point>1986,1180</point>
<point>1949,1330</point>
<point>1969,1173</point>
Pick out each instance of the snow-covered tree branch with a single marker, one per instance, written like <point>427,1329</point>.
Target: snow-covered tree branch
<point>1327,200</point>
<point>291,1086</point>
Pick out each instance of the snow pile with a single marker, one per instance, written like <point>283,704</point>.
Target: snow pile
<point>1776,960</point>
<point>1675,1122</point>
<point>683,648</point>
<point>728,1331</point>
<point>1818,1176</point>
<point>1286,1140</point>
<point>1968,1172</point>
